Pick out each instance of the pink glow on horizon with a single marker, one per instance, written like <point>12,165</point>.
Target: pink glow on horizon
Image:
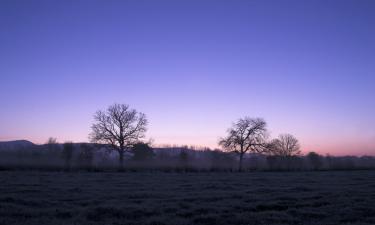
<point>345,147</point>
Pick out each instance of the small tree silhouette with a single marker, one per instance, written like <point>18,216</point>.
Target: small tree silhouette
<point>142,152</point>
<point>315,160</point>
<point>285,145</point>
<point>52,145</point>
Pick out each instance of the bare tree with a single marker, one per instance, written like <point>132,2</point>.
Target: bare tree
<point>51,143</point>
<point>53,146</point>
<point>246,135</point>
<point>315,160</point>
<point>284,145</point>
<point>120,127</point>
<point>142,152</point>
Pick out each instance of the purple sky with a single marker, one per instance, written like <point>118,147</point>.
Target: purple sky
<point>193,67</point>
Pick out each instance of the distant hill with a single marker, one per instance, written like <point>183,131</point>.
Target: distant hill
<point>11,145</point>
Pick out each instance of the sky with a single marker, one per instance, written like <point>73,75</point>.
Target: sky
<point>193,67</point>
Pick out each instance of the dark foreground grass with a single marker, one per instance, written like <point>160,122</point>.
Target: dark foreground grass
<point>187,198</point>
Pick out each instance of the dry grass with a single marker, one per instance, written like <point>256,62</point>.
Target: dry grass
<point>187,198</point>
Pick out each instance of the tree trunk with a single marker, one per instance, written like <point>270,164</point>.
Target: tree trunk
<point>240,165</point>
<point>121,160</point>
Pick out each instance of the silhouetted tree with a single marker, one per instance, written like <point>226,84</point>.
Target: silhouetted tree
<point>315,160</point>
<point>52,145</point>
<point>142,152</point>
<point>284,145</point>
<point>246,135</point>
<point>67,154</point>
<point>120,127</point>
<point>51,141</point>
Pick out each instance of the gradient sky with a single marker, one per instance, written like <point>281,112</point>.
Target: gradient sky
<point>193,67</point>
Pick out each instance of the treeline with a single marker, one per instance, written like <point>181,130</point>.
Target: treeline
<point>92,157</point>
<point>118,135</point>
<point>247,146</point>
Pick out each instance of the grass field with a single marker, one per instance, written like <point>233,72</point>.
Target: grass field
<point>187,198</point>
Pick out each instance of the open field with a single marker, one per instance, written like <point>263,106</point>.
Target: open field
<point>187,198</point>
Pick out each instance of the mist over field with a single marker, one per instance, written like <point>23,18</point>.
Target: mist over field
<point>24,155</point>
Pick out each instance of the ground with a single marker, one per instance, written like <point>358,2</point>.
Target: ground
<point>187,198</point>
